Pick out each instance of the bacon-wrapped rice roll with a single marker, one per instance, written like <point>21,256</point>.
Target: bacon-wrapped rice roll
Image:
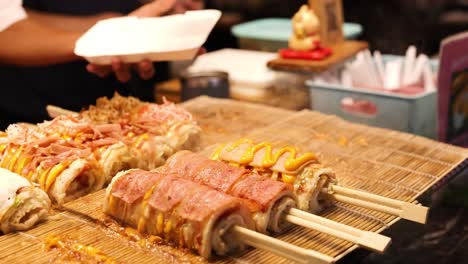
<point>21,204</point>
<point>304,172</point>
<point>269,201</point>
<point>181,211</point>
<point>64,171</point>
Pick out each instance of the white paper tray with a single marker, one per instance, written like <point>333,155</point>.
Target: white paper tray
<point>131,39</point>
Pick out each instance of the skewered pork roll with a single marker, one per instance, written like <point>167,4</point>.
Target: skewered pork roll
<point>181,211</point>
<point>269,201</point>
<point>62,169</point>
<point>21,204</point>
<point>304,172</point>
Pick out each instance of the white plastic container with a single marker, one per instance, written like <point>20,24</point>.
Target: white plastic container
<point>132,39</point>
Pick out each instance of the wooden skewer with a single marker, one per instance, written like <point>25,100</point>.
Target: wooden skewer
<point>366,239</point>
<point>55,111</point>
<point>405,210</point>
<point>280,248</point>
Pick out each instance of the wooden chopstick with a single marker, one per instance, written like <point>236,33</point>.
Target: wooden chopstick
<point>366,239</point>
<point>280,248</point>
<point>405,210</point>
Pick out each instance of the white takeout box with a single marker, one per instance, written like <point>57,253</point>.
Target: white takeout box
<point>132,39</point>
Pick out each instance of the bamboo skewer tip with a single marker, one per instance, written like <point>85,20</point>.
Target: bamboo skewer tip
<point>405,210</point>
<point>374,241</point>
<point>414,212</point>
<point>281,248</point>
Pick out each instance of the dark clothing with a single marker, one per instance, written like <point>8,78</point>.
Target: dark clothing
<point>82,7</point>
<point>27,90</point>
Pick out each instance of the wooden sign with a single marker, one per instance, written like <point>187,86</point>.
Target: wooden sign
<point>330,14</point>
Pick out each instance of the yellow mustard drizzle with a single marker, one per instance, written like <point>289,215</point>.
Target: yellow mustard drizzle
<point>54,172</point>
<point>66,137</point>
<point>167,228</point>
<point>140,139</point>
<point>160,223</point>
<point>30,175</point>
<point>7,157</point>
<point>22,162</point>
<point>79,138</point>
<point>270,158</point>
<point>215,155</point>
<point>238,143</point>
<point>14,158</point>
<point>287,178</point>
<point>2,147</point>
<point>142,220</point>
<point>43,177</point>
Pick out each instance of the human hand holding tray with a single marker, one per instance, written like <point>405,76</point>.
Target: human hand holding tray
<point>132,39</point>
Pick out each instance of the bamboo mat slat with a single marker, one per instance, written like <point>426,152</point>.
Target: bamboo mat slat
<point>224,119</point>
<point>381,161</point>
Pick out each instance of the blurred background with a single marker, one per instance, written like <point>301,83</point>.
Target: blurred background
<point>389,25</point>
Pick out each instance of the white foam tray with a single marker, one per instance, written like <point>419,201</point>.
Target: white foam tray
<point>132,39</point>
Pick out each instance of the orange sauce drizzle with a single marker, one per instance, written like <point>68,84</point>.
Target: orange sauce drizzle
<point>76,249</point>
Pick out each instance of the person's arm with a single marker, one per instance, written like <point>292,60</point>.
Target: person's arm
<point>69,22</point>
<point>28,43</point>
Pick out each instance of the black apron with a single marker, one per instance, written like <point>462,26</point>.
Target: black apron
<point>25,91</point>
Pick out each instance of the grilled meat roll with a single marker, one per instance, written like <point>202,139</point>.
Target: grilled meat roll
<point>268,200</point>
<point>181,211</point>
<point>304,172</point>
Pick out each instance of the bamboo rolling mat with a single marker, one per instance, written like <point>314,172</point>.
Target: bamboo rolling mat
<point>381,161</point>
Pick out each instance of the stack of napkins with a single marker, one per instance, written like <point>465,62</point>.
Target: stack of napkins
<point>372,72</point>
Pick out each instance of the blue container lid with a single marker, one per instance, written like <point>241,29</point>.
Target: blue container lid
<point>280,29</point>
